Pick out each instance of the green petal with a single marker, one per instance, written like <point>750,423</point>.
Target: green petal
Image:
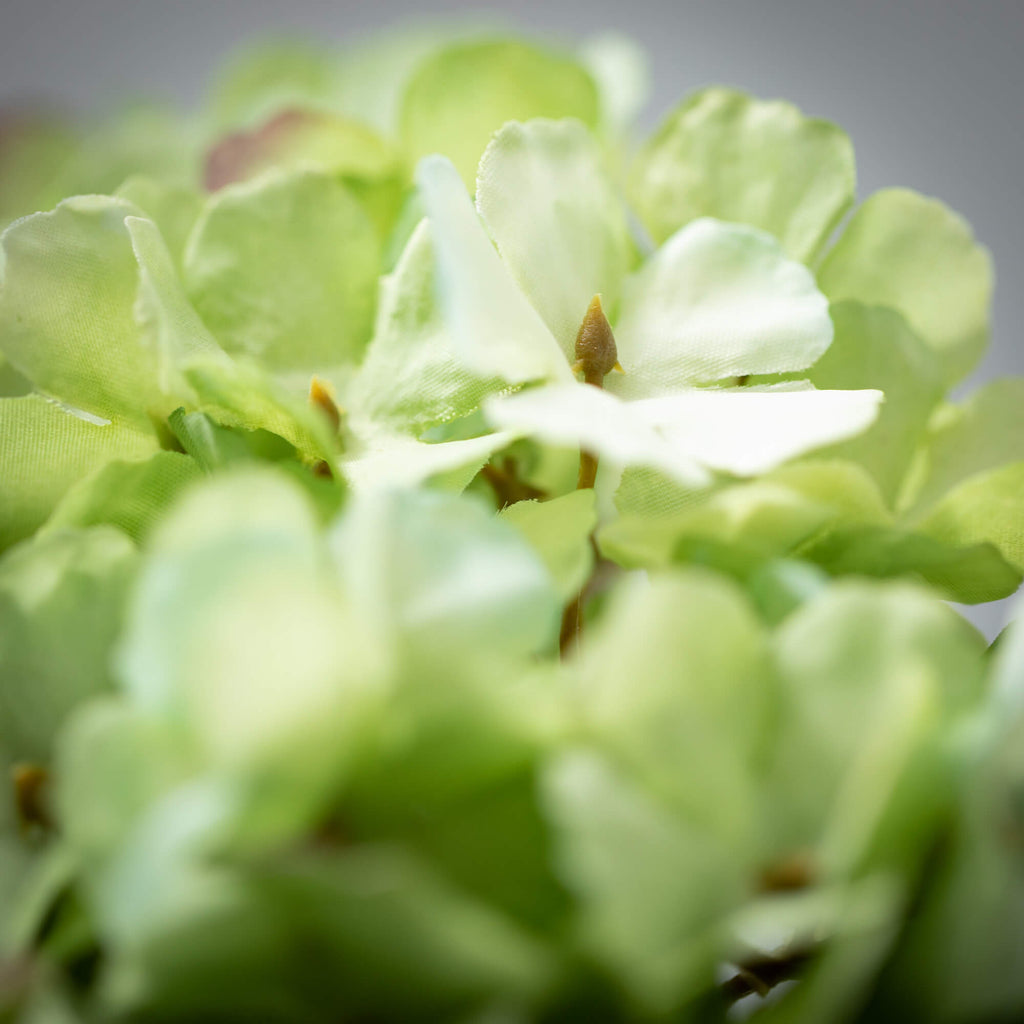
<point>61,601</point>
<point>133,496</point>
<point>460,96</point>
<point>986,509</point>
<point>44,449</point>
<point>441,572</point>
<point>678,686</point>
<point>556,219</point>
<point>33,147</point>
<point>284,269</point>
<point>173,208</point>
<point>559,531</point>
<point>725,154</point>
<point>365,163</point>
<point>746,431</point>
<point>648,883</point>
<point>717,301</point>
<point>854,665</point>
<point>984,433</point>
<point>963,569</point>
<point>495,329</point>
<point>874,348</point>
<point>578,415</point>
<point>918,257</point>
<point>67,308</point>
<point>411,378</point>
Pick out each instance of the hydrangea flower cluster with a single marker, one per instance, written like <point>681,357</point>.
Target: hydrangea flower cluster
<point>460,564</point>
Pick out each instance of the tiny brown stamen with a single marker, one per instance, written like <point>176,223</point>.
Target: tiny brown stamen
<point>321,398</point>
<point>30,783</point>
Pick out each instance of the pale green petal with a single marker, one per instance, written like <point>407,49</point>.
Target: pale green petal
<point>402,461</point>
<point>284,269</point>
<point>578,415</point>
<point>34,145</point>
<point>67,308</point>
<point>853,665</point>
<point>746,432</point>
<point>411,378</point>
<point>915,255</point>
<point>556,219</point>
<point>443,573</point>
<point>61,601</point>
<point>173,208</point>
<point>752,522</point>
<point>676,681</point>
<point>44,449</point>
<point>987,508</point>
<point>559,531</point>
<point>717,301</point>
<point>369,166</point>
<point>620,67</point>
<point>495,330</point>
<point>460,96</point>
<point>874,348</point>
<point>725,154</point>
<point>132,496</point>
<point>649,884</point>
<point>980,435</point>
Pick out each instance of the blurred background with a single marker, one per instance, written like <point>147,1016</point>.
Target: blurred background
<point>931,91</point>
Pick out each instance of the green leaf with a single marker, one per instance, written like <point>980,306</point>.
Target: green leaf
<point>67,309</point>
<point>496,332</point>
<point>987,509</point>
<point>284,269</point>
<point>727,155</point>
<point>716,301</point>
<point>44,449</point>
<point>133,496</point>
<point>556,219</point>
<point>458,97</point>
<point>874,348</point>
<point>559,531</point>
<point>918,257</point>
<point>61,601</point>
<point>411,378</point>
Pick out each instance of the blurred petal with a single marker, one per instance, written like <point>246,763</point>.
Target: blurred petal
<point>556,220</point>
<point>461,95</point>
<point>918,257</point>
<point>495,330</point>
<point>725,154</point>
<point>715,301</point>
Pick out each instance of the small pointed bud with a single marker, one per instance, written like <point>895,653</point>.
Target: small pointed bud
<point>596,354</point>
<point>320,396</point>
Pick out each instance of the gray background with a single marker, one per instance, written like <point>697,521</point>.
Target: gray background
<point>931,91</point>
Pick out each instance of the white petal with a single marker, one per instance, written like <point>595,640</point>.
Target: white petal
<point>495,329</point>
<point>556,219</point>
<point>578,415</point>
<point>746,432</point>
<point>716,301</point>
